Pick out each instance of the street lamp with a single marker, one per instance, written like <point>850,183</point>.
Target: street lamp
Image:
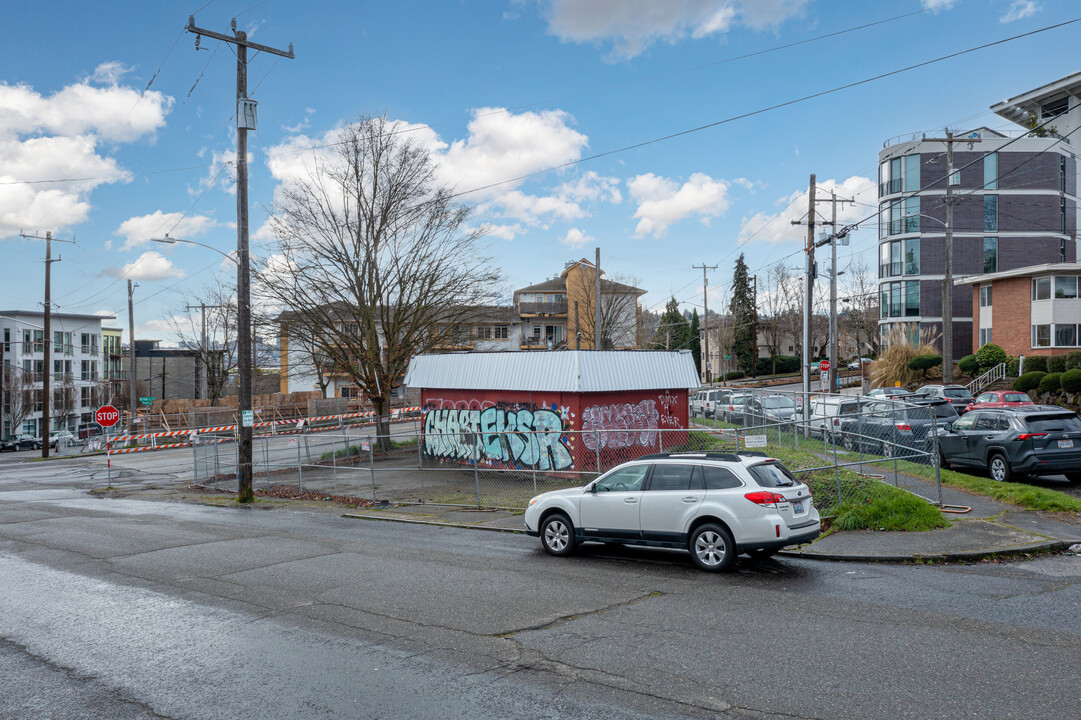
<point>173,241</point>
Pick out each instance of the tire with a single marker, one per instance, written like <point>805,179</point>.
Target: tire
<point>847,443</point>
<point>999,468</point>
<point>557,535</point>
<point>18,447</point>
<point>887,449</point>
<point>712,548</point>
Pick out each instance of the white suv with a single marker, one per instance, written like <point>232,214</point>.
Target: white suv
<point>714,505</point>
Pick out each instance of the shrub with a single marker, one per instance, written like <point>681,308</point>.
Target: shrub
<point>1073,360</point>
<point>892,363</point>
<point>1050,382</point>
<point>969,365</point>
<point>990,355</point>
<point>1012,367</point>
<point>786,363</point>
<point>734,375</point>
<point>1028,381</point>
<point>923,363</point>
<point>1056,364</point>
<point>1035,363</point>
<point>1071,380</point>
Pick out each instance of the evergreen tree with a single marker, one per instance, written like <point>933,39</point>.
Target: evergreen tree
<point>696,340</point>
<point>742,309</point>
<point>673,332</point>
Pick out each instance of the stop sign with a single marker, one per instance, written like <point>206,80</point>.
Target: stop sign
<point>824,366</point>
<point>107,416</point>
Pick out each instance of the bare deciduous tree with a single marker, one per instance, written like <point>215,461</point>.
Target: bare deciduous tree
<point>859,317</point>
<point>619,308</point>
<point>374,262</point>
<point>18,397</point>
<point>66,400</point>
<point>217,357</point>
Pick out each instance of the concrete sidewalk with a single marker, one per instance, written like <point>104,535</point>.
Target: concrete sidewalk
<point>992,528</point>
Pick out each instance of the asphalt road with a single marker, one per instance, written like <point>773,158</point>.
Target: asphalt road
<point>131,608</point>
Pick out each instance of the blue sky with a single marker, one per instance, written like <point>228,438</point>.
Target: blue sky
<point>505,88</point>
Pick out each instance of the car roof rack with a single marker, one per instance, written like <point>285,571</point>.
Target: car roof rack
<point>702,454</point>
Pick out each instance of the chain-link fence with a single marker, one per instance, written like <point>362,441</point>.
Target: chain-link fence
<point>847,450</point>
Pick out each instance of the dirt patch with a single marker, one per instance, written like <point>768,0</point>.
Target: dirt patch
<point>293,492</point>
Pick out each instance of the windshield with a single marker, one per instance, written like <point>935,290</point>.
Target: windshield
<point>959,393</point>
<point>1053,423</point>
<point>1016,397</point>
<point>772,474</point>
<point>778,402</point>
<point>738,399</point>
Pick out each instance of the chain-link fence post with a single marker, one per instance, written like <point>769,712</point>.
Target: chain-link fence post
<point>737,440</point>
<point>836,465</point>
<point>266,459</point>
<point>371,464</point>
<point>194,460</point>
<point>300,468</point>
<point>660,439</point>
<point>334,460</point>
<point>217,458</point>
<point>937,459</point>
<point>597,445</point>
<point>420,451</point>
<point>476,479</point>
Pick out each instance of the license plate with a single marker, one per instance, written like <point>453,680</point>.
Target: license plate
<point>797,506</point>
<point>1065,443</point>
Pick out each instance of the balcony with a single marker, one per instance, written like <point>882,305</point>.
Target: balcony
<point>901,226</point>
<point>890,187</point>
<point>536,342</point>
<point>543,308</point>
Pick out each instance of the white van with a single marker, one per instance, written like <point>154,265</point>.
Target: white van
<point>826,412</point>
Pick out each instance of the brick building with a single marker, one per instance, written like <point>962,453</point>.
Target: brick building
<point>1015,205</point>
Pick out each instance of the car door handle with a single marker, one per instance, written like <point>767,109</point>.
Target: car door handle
<point>630,501</point>
<point>690,499</point>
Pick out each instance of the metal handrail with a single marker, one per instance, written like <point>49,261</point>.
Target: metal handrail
<point>998,372</point>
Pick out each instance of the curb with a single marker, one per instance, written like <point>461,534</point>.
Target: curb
<point>437,523</point>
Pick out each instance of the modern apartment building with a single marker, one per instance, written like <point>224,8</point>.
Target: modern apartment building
<point>1015,204</point>
<point>76,372</point>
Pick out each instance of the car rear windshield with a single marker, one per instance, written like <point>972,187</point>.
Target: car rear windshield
<point>738,399</point>
<point>1051,423</point>
<point>778,402</point>
<point>772,474</point>
<point>1016,397</point>
<point>958,393</point>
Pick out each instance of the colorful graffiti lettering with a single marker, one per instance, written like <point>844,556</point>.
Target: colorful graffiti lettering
<point>621,425</point>
<point>530,438</point>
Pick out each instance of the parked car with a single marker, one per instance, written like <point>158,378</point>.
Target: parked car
<point>958,395</point>
<point>20,442</point>
<point>999,399</point>
<point>1030,439</point>
<point>769,410</point>
<point>730,407</point>
<point>713,505</point>
<point>890,427</point>
<point>89,431</point>
<point>889,392</point>
<point>826,411</point>
<point>857,364</point>
<point>61,436</point>
<point>698,403</point>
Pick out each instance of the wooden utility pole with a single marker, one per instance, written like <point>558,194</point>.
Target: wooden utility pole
<point>597,304</point>
<point>754,330</point>
<point>245,117</point>
<point>131,357</point>
<point>808,288</point>
<point>947,280</point>
<point>706,373</point>
<point>46,375</point>
<point>577,329</point>
<point>832,240</point>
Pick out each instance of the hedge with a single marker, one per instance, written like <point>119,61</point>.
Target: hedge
<point>1028,381</point>
<point>1012,366</point>
<point>1071,380</point>
<point>969,365</point>
<point>734,375</point>
<point>990,355</point>
<point>1073,360</point>
<point>1035,363</point>
<point>1056,364</point>
<point>1050,382</point>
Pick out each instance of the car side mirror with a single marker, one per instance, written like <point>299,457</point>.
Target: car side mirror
<point>948,427</point>
<point>593,488</point>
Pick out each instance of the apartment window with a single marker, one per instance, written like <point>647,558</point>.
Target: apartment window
<point>985,296</point>
<point>484,332</point>
<point>1065,335</point>
<point>1062,173</point>
<point>990,171</point>
<point>1041,336</point>
<point>1054,108</point>
<point>912,173</point>
<point>1062,215</point>
<point>1062,251</point>
<point>912,298</point>
<point>899,174</point>
<point>895,299</point>
<point>33,341</point>
<point>500,332</point>
<point>537,330</point>
<point>1041,288</point>
<point>884,260</point>
<point>990,255</point>
<point>7,340</point>
<point>556,298</point>
<point>86,397</point>
<point>896,266</point>
<point>1066,286</point>
<point>912,256</point>
<point>990,213</point>
<point>350,392</point>
<point>985,336</point>
<point>85,370</point>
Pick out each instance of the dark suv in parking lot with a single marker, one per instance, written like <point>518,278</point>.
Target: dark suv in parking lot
<point>1031,440</point>
<point>891,427</point>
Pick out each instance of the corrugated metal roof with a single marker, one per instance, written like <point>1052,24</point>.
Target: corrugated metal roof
<point>559,371</point>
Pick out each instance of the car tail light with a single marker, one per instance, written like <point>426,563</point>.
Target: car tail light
<point>1029,436</point>
<point>766,498</point>
<point>904,426</point>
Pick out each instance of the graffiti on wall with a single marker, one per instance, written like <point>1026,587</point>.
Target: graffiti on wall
<point>620,425</point>
<point>529,437</point>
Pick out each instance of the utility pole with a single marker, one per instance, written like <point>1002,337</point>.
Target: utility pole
<point>706,379</point>
<point>947,281</point>
<point>808,288</point>
<point>832,240</point>
<point>577,329</point>
<point>245,117</point>
<point>754,331</point>
<point>597,305</point>
<point>46,375</point>
<point>131,357</point>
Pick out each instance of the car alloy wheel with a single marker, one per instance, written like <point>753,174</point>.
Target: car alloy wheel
<point>999,468</point>
<point>712,548</point>
<point>557,535</point>
<point>847,443</point>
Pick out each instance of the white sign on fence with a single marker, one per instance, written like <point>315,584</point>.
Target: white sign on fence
<point>753,441</point>
<point>365,445</point>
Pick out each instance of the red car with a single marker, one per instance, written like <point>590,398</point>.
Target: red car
<point>999,399</point>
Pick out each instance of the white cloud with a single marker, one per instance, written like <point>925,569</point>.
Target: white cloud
<point>634,25</point>
<point>148,266</point>
<point>937,5</point>
<point>661,202</point>
<point>576,238</point>
<point>56,138</point>
<point>591,186</point>
<point>1020,9</point>
<point>777,227</point>
<point>503,232</point>
<point>138,230</point>
<point>531,209</point>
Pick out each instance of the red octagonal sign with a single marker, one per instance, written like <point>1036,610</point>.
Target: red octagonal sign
<point>107,416</point>
<point>824,366</point>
